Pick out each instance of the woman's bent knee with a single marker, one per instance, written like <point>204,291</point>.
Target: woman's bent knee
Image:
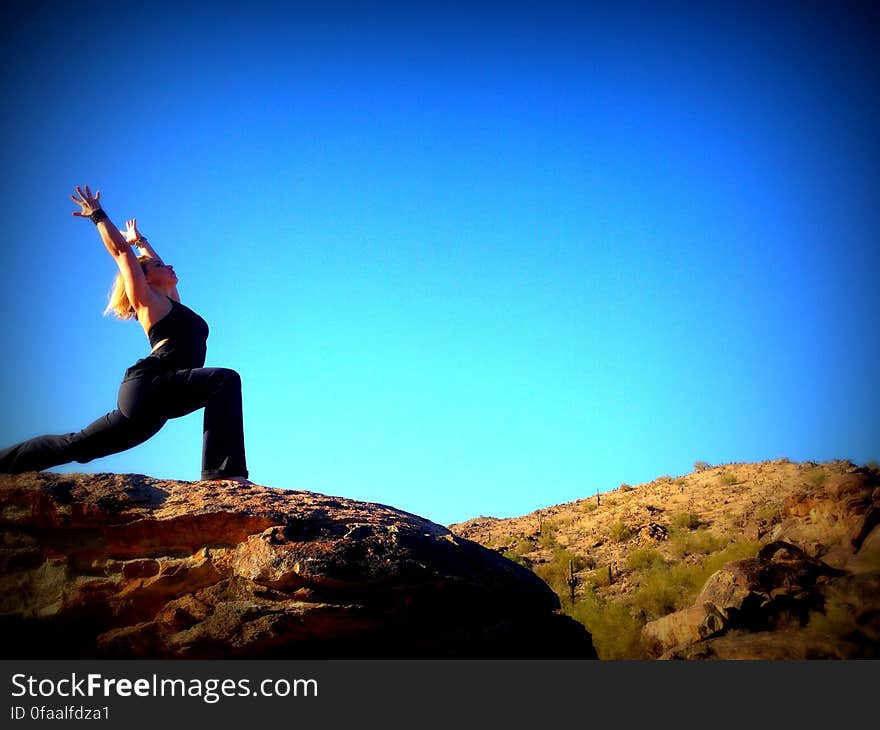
<point>231,378</point>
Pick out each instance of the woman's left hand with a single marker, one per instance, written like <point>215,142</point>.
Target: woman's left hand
<point>131,232</point>
<point>87,202</point>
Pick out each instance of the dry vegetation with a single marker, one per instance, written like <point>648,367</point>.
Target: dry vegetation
<point>634,553</point>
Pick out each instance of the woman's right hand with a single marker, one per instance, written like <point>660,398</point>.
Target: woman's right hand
<point>131,231</point>
<point>88,203</point>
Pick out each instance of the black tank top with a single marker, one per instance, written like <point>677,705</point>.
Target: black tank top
<point>187,335</point>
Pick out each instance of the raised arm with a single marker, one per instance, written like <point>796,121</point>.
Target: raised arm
<point>139,292</point>
<point>134,237</point>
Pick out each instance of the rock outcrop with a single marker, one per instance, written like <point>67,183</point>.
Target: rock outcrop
<point>127,566</point>
<point>812,592</point>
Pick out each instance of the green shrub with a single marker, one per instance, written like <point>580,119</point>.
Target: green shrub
<point>694,543</point>
<point>645,559</point>
<point>523,546</point>
<point>620,532</point>
<point>625,488</point>
<point>728,480</point>
<point>616,633</point>
<point>660,592</point>
<point>517,558</point>
<point>556,572</point>
<point>702,465</point>
<point>734,551</point>
<point>547,538</point>
<point>685,521</point>
<point>598,577</point>
<point>565,556</point>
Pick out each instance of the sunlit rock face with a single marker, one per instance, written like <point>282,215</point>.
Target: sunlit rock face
<point>125,566</point>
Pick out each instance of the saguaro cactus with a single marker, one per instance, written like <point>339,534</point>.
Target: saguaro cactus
<point>572,581</point>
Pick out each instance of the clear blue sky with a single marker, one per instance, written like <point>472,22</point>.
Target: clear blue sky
<point>468,259</point>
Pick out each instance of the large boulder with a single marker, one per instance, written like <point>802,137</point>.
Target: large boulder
<point>124,566</point>
<point>781,604</point>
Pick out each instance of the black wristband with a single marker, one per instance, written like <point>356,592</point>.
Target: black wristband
<point>98,215</point>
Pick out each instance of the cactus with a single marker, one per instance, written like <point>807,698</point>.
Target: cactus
<point>572,581</point>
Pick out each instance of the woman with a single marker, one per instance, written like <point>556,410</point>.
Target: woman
<point>169,383</point>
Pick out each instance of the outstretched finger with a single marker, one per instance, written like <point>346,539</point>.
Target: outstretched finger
<point>74,199</point>
<point>97,195</point>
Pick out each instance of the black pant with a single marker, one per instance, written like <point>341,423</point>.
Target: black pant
<point>146,401</point>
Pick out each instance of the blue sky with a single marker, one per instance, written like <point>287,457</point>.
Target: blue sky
<point>468,259</point>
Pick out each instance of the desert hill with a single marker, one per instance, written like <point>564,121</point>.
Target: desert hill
<point>769,560</point>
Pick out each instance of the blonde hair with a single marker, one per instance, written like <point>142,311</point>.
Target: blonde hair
<point>118,303</point>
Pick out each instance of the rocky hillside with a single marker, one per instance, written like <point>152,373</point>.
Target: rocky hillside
<point>763,560</point>
<point>125,566</point>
